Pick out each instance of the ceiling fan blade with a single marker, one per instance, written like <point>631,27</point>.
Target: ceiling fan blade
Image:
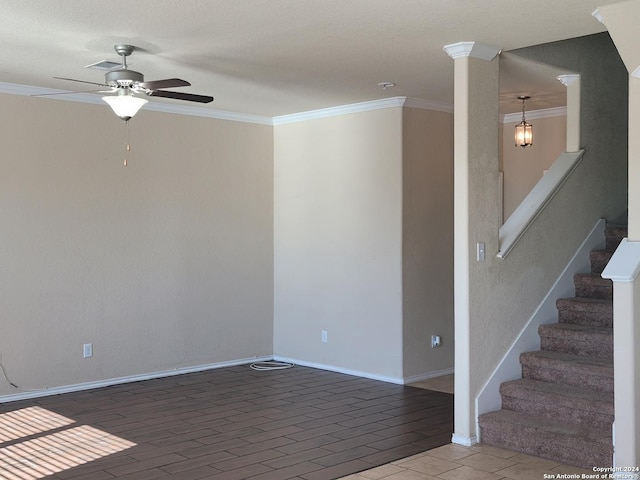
<point>63,93</point>
<point>166,83</point>
<point>82,81</point>
<point>190,97</point>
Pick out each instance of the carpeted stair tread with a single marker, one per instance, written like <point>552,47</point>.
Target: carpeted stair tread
<point>569,369</point>
<point>573,404</point>
<point>585,311</point>
<point>547,438</point>
<point>593,285</point>
<point>563,406</point>
<point>596,341</point>
<point>553,358</point>
<point>571,328</point>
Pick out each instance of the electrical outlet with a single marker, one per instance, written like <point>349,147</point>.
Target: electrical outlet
<point>436,341</point>
<point>324,336</point>
<point>87,350</point>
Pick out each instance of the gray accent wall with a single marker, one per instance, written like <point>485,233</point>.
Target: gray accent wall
<point>505,293</point>
<point>604,114</point>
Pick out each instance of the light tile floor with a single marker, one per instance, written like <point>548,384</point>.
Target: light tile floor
<point>479,462</point>
<point>456,462</point>
<point>443,383</point>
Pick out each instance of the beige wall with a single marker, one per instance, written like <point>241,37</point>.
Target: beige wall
<point>164,264</point>
<point>427,239</point>
<point>523,167</point>
<point>364,242</point>
<point>338,240</point>
<point>170,263</point>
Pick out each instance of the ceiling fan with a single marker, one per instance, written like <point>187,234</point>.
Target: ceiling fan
<point>127,82</point>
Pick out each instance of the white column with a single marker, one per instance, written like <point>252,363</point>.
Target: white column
<point>634,158</point>
<point>621,20</point>
<point>475,92</point>
<point>572,82</point>
<point>623,269</point>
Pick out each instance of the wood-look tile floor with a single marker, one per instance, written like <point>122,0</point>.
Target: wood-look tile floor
<point>226,424</point>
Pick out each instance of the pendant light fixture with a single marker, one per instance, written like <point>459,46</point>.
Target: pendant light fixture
<point>524,130</point>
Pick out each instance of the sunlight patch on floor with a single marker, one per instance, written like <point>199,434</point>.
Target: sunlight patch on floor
<point>29,421</point>
<point>30,453</point>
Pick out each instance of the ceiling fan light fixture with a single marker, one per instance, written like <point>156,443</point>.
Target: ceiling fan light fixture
<point>125,105</point>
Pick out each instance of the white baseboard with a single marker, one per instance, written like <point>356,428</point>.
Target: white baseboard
<point>428,375</point>
<point>129,379</point>
<point>24,395</point>
<point>466,441</point>
<point>347,371</point>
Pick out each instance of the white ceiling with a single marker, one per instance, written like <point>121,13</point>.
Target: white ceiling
<point>276,57</point>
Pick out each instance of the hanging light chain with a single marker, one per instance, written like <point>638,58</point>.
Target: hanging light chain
<point>127,145</point>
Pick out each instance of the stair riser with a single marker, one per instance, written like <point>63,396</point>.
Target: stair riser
<point>589,285</point>
<point>552,410</point>
<point>598,348</point>
<point>561,448</point>
<point>613,237</point>
<point>569,377</point>
<point>594,291</point>
<point>599,260</point>
<point>592,319</point>
<point>599,316</point>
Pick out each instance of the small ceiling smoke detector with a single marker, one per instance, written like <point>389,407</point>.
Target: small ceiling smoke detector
<point>385,85</point>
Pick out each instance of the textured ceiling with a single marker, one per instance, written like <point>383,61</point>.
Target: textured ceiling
<point>276,57</point>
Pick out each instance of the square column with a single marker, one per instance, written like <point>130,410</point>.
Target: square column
<point>623,270</point>
<point>621,22</point>
<point>476,215</point>
<point>572,82</point>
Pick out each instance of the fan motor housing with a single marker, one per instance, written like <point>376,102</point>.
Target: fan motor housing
<point>123,77</point>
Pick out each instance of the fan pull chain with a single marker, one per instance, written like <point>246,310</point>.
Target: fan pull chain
<point>127,145</point>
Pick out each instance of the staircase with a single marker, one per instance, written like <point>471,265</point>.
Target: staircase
<point>562,408</point>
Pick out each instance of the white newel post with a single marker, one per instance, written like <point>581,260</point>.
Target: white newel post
<point>623,270</point>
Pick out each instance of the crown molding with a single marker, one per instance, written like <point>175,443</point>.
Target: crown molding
<point>339,110</point>
<point>363,107</point>
<point>53,94</point>
<point>428,105</point>
<point>597,14</point>
<point>568,79</point>
<point>534,114</point>
<point>208,113</point>
<point>479,50</point>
